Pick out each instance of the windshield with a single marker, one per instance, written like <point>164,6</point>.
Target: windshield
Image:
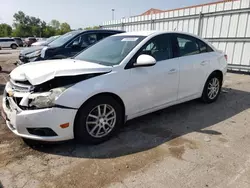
<point>49,40</point>
<point>111,50</point>
<point>64,38</point>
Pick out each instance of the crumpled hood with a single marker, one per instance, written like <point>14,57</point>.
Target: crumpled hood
<point>30,49</point>
<point>39,72</point>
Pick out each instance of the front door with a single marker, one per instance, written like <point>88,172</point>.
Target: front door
<point>156,85</point>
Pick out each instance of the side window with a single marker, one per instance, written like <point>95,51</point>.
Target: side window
<point>187,45</point>
<point>88,39</point>
<point>85,40</point>
<point>204,47</point>
<point>158,47</point>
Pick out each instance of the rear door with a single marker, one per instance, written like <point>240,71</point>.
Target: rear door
<point>4,43</point>
<point>194,65</point>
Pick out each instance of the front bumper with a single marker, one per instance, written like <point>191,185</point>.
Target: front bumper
<point>18,121</point>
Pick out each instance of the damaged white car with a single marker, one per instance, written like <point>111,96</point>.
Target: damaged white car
<point>119,78</point>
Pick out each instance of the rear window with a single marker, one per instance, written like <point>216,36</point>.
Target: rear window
<point>204,47</point>
<point>185,45</point>
<point>7,40</point>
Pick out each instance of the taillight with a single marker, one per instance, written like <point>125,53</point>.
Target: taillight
<point>225,57</point>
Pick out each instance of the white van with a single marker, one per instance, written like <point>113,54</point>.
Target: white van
<point>8,43</point>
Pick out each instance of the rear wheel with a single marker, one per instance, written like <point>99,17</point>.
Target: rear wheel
<point>212,88</point>
<point>98,120</point>
<point>13,46</point>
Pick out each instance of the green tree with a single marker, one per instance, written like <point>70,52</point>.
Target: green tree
<point>5,30</point>
<point>64,28</point>
<point>49,31</point>
<point>25,26</point>
<point>55,24</point>
<point>22,25</point>
<point>20,18</point>
<point>90,28</point>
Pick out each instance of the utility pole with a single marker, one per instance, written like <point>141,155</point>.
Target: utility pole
<point>113,14</point>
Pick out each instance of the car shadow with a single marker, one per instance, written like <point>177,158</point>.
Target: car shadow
<point>157,128</point>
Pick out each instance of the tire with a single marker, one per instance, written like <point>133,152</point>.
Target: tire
<point>209,96</point>
<point>82,129</point>
<point>13,46</point>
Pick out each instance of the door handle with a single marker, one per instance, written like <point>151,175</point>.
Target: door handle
<point>172,71</point>
<point>203,63</point>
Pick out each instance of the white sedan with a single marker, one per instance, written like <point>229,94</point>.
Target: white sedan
<point>119,78</point>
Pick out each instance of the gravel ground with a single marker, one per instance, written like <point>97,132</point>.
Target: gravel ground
<point>188,145</point>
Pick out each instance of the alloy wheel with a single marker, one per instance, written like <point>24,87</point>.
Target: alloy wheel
<point>101,120</point>
<point>213,88</point>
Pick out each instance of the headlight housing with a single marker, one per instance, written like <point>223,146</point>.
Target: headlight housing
<point>34,54</point>
<point>46,99</point>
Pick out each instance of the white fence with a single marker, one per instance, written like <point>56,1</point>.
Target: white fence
<point>225,24</point>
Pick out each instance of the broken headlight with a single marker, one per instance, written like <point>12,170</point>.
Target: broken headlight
<point>46,99</point>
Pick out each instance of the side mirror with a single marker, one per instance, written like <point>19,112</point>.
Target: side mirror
<point>76,44</point>
<point>145,61</point>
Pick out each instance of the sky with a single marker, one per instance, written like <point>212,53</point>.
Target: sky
<point>83,13</point>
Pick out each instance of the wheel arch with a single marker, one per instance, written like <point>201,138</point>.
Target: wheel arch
<point>13,44</point>
<point>219,73</point>
<point>115,96</point>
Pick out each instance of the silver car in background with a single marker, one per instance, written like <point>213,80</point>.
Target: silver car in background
<point>45,42</point>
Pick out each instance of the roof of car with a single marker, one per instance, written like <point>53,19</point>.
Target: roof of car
<point>140,33</point>
<point>103,30</point>
<point>155,33</point>
<point>152,32</point>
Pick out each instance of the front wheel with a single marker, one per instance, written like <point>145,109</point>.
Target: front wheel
<point>98,120</point>
<point>212,88</point>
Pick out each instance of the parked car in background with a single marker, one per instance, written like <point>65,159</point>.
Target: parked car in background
<point>30,40</point>
<point>119,78</point>
<point>8,43</point>
<point>45,42</point>
<point>19,41</point>
<point>64,46</point>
